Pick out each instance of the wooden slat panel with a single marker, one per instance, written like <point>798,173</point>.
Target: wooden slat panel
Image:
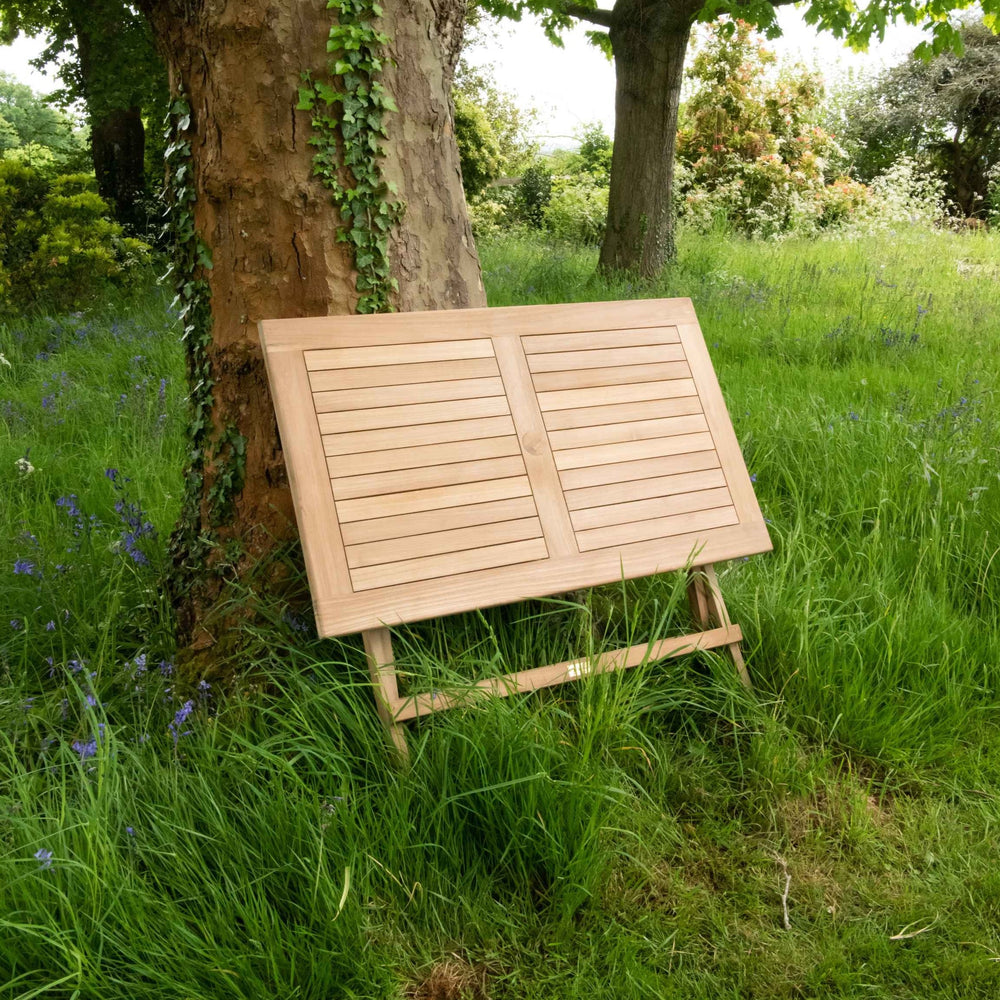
<point>656,528</point>
<point>647,409</point>
<point>404,525</point>
<point>436,542</point>
<point>422,434</point>
<point>576,360</point>
<point>538,457</point>
<point>459,324</point>
<point>407,416</point>
<point>392,459</point>
<point>316,513</point>
<point>589,378</point>
<point>429,567</point>
<point>433,499</point>
<point>641,489</point>
<point>396,354</point>
<point>418,392</point>
<point>635,430</point>
<point>574,399</point>
<point>644,510</point>
<point>647,468</point>
<point>726,444</point>
<point>554,343</point>
<point>333,379</point>
<point>632,451</point>
<point>411,602</point>
<point>377,483</point>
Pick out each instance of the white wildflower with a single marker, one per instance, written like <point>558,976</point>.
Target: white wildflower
<point>4,361</point>
<point>24,467</point>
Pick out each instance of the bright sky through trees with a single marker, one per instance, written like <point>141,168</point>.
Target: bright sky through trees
<point>576,84</point>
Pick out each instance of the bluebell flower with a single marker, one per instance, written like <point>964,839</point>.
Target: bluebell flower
<point>130,831</point>
<point>24,567</point>
<point>44,857</point>
<point>50,626</point>
<point>15,624</point>
<point>85,750</point>
<point>179,719</point>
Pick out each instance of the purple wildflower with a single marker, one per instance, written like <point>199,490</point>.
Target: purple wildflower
<point>130,831</point>
<point>50,626</point>
<point>85,750</point>
<point>24,567</point>
<point>76,665</point>
<point>44,857</point>
<point>179,719</point>
<point>15,624</point>
<point>166,668</point>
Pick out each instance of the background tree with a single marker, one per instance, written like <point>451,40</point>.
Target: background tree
<point>27,121</point>
<point>491,129</point>
<point>649,40</point>
<point>107,60</point>
<point>260,228</point>
<point>945,113</point>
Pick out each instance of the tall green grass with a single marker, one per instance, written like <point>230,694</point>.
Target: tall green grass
<point>628,836</point>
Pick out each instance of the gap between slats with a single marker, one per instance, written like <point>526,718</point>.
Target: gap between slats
<point>654,528</point>
<point>552,343</point>
<point>408,416</point>
<point>439,542</point>
<point>358,442</point>
<point>437,499</point>
<point>592,378</point>
<point>605,474</point>
<point>645,510</point>
<point>573,399</point>
<point>573,360</point>
<point>335,379</point>
<point>400,395</point>
<point>394,354</point>
<point>449,564</point>
<point>644,489</point>
<point>557,420</point>
<point>453,474</point>
<point>427,522</point>
<point>626,433</point>
<point>396,459</point>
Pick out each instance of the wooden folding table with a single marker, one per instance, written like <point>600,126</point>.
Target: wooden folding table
<point>446,461</point>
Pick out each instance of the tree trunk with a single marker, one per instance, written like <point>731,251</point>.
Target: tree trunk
<point>117,134</point>
<point>118,147</point>
<point>649,43</point>
<point>272,228</point>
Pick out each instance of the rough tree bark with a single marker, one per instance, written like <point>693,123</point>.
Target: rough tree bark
<point>272,228</point>
<point>649,42</point>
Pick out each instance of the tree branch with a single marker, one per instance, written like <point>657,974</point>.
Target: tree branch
<point>592,14</point>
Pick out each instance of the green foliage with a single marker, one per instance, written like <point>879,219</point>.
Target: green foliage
<point>577,210</point>
<point>58,248</point>
<point>191,542</point>
<point>491,130</point>
<point>750,144</point>
<point>593,156</point>
<point>34,133</point>
<point>103,50</point>
<point>478,147</point>
<point>944,113</point>
<point>349,125</point>
<point>533,194</point>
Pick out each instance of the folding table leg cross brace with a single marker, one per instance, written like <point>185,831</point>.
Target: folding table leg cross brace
<point>446,461</point>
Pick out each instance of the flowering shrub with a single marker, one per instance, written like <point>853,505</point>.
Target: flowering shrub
<point>750,150</point>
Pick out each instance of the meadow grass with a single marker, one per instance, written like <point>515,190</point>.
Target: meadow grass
<point>629,836</point>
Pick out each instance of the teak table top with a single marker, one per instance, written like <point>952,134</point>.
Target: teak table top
<point>446,461</point>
